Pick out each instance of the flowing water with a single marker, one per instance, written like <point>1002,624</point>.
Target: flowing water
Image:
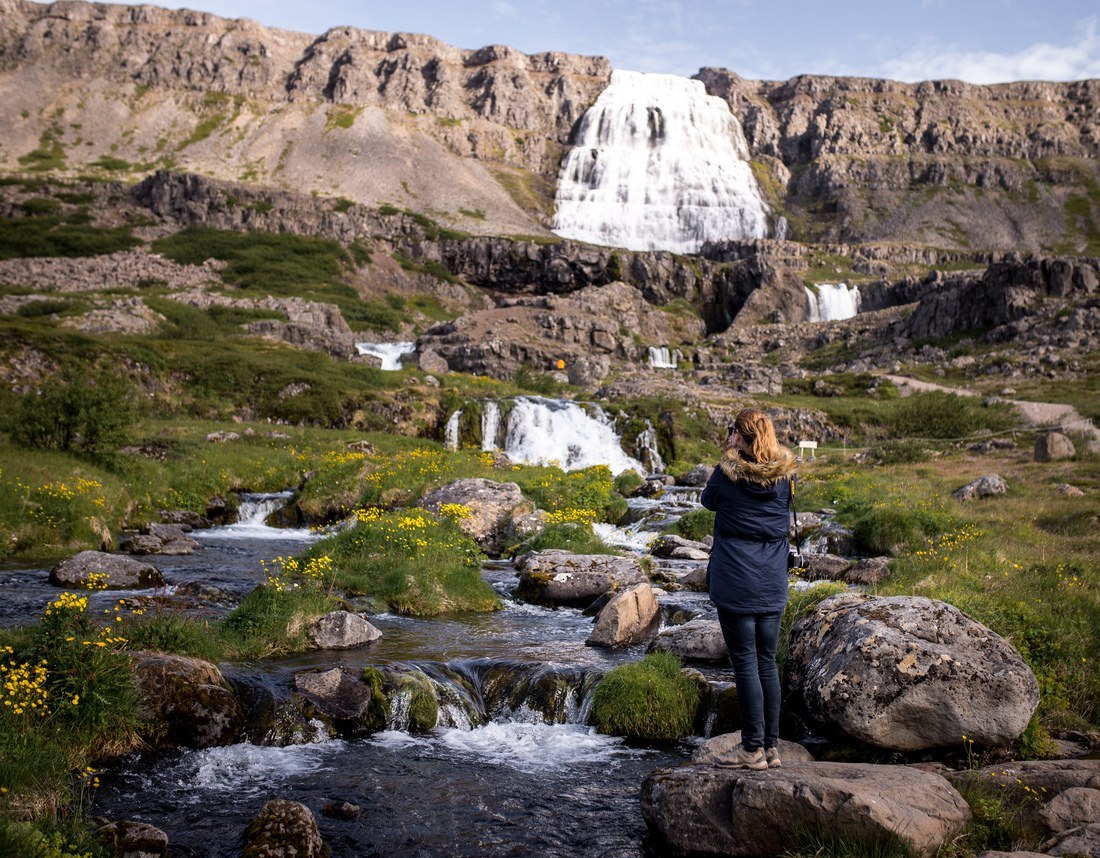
<point>389,353</point>
<point>511,769</point>
<point>829,302</point>
<point>658,165</point>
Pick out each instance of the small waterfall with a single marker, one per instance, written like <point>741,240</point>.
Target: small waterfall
<point>541,431</point>
<point>658,165</point>
<point>450,431</point>
<point>645,448</point>
<point>829,302</point>
<point>782,228</point>
<point>389,353</point>
<point>490,424</point>
<point>252,514</point>
<point>662,357</point>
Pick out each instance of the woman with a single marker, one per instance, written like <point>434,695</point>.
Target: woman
<point>750,491</point>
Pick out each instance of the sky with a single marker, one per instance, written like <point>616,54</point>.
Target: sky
<point>981,41</point>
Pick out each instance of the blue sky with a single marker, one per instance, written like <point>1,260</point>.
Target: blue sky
<point>983,41</point>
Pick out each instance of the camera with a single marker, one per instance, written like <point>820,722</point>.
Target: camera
<point>795,559</point>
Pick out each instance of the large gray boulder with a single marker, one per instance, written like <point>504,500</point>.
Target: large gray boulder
<point>492,506</point>
<point>710,810</point>
<point>1052,446</point>
<point>632,616</point>
<point>342,630</point>
<point>696,640</point>
<point>676,547</point>
<point>1071,809</point>
<point>722,746</point>
<point>988,486</point>
<point>161,539</point>
<point>909,674</point>
<point>284,829</point>
<point>134,839</point>
<point>337,693</point>
<point>1046,777</point>
<point>122,573</point>
<point>185,701</point>
<point>559,578</point>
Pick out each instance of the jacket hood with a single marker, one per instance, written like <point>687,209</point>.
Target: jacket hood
<point>761,473</point>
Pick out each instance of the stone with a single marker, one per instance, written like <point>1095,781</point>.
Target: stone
<point>171,539</point>
<point>1046,777</point>
<point>338,693</point>
<point>131,839</point>
<point>362,446</point>
<point>631,617</point>
<point>697,476</point>
<point>990,485</point>
<point>222,437</point>
<point>433,362</point>
<point>707,809</point>
<point>492,506</point>
<point>560,578</point>
<point>825,567</point>
<point>1052,446</point>
<point>1069,491</point>
<point>342,630</point>
<point>1071,808</point>
<point>908,674</point>
<point>671,545</point>
<point>699,639</point>
<point>284,829</point>
<point>1078,842</point>
<point>722,746</point>
<point>123,573</point>
<point>869,570</point>
<point>344,810</point>
<point>185,701</point>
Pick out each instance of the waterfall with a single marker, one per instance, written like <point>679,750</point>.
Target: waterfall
<point>389,353</point>
<point>645,448</point>
<point>490,424</point>
<point>662,358</point>
<point>542,431</point>
<point>450,431</point>
<point>252,515</point>
<point>830,302</point>
<point>658,165</point>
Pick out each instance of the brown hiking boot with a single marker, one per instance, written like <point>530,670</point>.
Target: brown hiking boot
<point>772,756</point>
<point>742,759</point>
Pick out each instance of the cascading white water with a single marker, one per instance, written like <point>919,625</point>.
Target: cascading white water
<point>490,424</point>
<point>389,353</point>
<point>450,431</point>
<point>252,518</point>
<point>661,358</point>
<point>832,302</point>
<point>541,431</point>
<point>658,165</point>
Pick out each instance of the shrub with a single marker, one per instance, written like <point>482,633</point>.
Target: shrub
<point>590,489</point>
<point>947,416</point>
<point>575,537</point>
<point>272,620</point>
<point>650,699</point>
<point>898,452</point>
<point>88,415</point>
<point>628,482</point>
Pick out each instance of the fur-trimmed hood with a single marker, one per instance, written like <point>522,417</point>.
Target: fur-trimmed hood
<point>762,473</point>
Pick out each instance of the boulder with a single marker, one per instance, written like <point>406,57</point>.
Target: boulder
<point>342,630</point>
<point>134,839</point>
<point>825,567</point>
<point>707,809</point>
<point>161,539</point>
<point>984,487</point>
<point>631,617</point>
<point>909,674</point>
<point>185,701</point>
<point>1051,446</point>
<point>182,516</point>
<point>672,546</point>
<point>696,640</point>
<point>869,570</point>
<point>697,476</point>
<point>284,829</point>
<point>559,578</point>
<point>1046,777</point>
<point>696,579</point>
<point>223,437</point>
<point>1069,491</point>
<point>722,746</point>
<point>1070,809</point>
<point>338,693</point>
<point>491,504</point>
<point>123,573</point>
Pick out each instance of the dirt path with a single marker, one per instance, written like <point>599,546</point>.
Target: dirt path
<point>1036,414</point>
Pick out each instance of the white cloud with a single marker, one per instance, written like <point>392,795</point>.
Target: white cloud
<point>504,9</point>
<point>1042,61</point>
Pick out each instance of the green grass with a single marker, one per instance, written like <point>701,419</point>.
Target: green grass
<point>650,700</point>
<point>60,235</point>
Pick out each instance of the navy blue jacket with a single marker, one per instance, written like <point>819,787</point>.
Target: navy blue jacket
<point>748,563</point>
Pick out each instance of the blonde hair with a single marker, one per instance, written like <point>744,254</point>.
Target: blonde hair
<point>758,432</point>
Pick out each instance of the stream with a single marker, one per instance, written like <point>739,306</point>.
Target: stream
<point>505,784</point>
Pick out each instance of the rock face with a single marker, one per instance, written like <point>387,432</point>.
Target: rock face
<point>909,674</point>
<point>121,572</point>
<point>559,578</point>
<point>284,829</point>
<point>708,810</point>
<point>492,506</point>
<point>632,616</point>
<point>185,701</point>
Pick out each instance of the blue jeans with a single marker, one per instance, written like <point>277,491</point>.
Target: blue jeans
<point>752,640</point>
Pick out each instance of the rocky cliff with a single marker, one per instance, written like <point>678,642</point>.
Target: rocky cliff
<point>475,137</point>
